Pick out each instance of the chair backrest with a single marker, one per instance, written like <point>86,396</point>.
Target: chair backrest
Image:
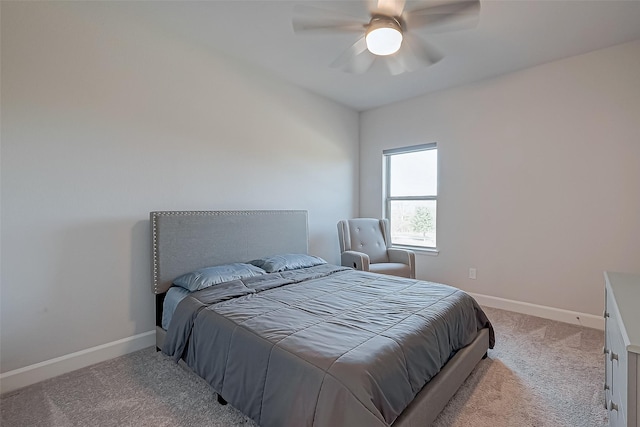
<point>368,235</point>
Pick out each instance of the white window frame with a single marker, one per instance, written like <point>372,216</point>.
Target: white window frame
<point>387,154</point>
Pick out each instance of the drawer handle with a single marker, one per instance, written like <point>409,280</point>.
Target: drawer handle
<point>614,356</point>
<point>605,314</point>
<point>605,350</point>
<point>606,386</point>
<point>612,406</point>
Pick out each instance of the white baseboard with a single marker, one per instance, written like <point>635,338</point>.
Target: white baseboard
<point>32,374</point>
<point>566,316</point>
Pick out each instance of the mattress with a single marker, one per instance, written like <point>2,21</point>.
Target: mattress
<point>174,295</point>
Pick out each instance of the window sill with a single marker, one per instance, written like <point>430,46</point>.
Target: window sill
<point>420,251</point>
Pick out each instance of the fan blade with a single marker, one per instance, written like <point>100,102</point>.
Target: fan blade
<point>445,17</point>
<point>310,27</point>
<point>388,7</point>
<point>414,54</point>
<point>395,65</point>
<point>422,50</point>
<point>356,59</point>
<point>312,19</point>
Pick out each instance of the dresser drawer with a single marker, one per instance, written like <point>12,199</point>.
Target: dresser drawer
<point>633,409</point>
<point>618,364</point>
<point>608,375</point>
<point>617,418</point>
<point>618,357</point>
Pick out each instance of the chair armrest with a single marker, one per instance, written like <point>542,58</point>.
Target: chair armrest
<point>403,256</point>
<point>357,260</point>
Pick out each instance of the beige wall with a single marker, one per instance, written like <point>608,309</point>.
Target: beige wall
<point>105,119</point>
<point>539,177</point>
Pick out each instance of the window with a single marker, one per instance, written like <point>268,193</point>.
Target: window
<point>411,194</point>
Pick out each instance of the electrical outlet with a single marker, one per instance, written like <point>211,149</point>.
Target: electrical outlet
<point>472,273</point>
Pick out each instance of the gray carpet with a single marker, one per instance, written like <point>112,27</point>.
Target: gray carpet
<point>541,373</point>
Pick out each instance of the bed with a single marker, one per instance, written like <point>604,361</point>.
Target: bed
<point>319,345</point>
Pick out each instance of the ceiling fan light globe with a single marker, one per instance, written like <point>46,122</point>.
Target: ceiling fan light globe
<point>383,41</point>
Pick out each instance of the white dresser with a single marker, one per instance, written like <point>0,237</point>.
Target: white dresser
<point>622,348</point>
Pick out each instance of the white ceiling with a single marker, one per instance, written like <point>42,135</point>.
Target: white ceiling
<point>511,35</point>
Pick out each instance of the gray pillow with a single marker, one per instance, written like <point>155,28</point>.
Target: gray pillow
<point>275,263</point>
<point>205,277</point>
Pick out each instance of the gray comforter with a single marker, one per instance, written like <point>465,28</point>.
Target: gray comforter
<point>322,346</point>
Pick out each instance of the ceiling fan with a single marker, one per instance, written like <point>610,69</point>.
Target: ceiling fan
<point>387,33</point>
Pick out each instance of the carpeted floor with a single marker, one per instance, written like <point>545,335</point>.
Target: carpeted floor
<point>541,373</point>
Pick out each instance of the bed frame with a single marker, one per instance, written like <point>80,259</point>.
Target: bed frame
<point>184,241</point>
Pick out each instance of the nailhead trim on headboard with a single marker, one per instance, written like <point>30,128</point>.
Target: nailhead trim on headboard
<point>154,226</point>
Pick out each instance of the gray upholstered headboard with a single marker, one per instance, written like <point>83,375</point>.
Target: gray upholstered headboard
<point>184,241</point>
